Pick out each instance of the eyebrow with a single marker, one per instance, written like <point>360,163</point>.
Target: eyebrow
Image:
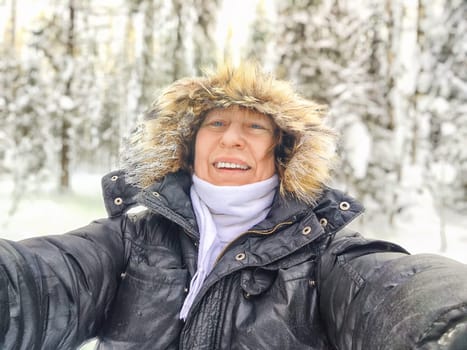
<point>249,116</point>
<point>261,118</point>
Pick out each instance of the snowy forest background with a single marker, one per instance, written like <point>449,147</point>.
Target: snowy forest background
<point>76,75</point>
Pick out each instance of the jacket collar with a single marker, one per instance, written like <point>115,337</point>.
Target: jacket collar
<point>171,198</point>
<point>290,226</point>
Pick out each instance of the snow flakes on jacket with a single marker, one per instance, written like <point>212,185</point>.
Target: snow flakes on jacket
<point>164,142</point>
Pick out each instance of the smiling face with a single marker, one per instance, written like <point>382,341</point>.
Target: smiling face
<point>235,146</point>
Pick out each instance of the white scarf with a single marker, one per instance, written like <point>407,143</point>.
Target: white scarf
<point>222,214</point>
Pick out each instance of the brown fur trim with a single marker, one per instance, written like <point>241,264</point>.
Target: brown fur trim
<point>162,143</point>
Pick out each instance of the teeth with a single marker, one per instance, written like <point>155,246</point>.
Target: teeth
<point>231,166</point>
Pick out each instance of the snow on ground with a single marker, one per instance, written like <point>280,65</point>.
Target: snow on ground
<point>50,212</point>
<point>418,231</point>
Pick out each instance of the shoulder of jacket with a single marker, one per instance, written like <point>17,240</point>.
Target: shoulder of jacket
<point>347,245</point>
<point>354,244</point>
<point>118,195</point>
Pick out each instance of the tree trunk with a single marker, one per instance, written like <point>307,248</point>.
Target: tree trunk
<point>390,87</point>
<point>147,71</point>
<point>414,100</point>
<point>13,25</point>
<point>178,49</point>
<point>18,177</point>
<point>390,55</point>
<point>65,131</point>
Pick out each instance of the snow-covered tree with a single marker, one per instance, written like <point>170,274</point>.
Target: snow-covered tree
<point>261,35</point>
<point>172,34</point>
<point>442,102</point>
<point>147,69</point>
<point>22,109</point>
<point>122,82</point>
<point>204,29</point>
<point>70,81</point>
<point>335,52</point>
<point>88,89</point>
<point>302,43</point>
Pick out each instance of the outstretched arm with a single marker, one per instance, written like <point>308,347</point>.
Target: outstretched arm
<point>373,295</point>
<point>56,290</point>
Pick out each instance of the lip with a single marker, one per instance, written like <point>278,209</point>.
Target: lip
<point>233,161</point>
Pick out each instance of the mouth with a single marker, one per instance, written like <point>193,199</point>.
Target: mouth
<point>229,165</point>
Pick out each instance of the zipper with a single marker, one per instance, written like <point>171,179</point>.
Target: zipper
<point>257,232</point>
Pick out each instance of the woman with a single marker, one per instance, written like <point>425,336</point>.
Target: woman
<point>222,235</point>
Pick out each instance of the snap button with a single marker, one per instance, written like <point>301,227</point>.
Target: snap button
<point>122,275</point>
<point>323,222</point>
<point>118,201</point>
<point>156,194</point>
<point>306,230</point>
<point>240,256</point>
<point>185,290</point>
<point>114,178</point>
<point>344,206</point>
<point>312,283</point>
<point>246,295</point>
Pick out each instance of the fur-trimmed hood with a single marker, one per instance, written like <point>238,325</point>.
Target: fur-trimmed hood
<point>158,147</point>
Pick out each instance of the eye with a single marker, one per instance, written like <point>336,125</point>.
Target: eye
<point>217,123</point>
<point>257,126</point>
<point>214,122</point>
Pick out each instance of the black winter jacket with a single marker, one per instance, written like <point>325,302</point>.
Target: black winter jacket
<point>298,280</point>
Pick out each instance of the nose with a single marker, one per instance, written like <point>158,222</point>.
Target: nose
<point>233,136</point>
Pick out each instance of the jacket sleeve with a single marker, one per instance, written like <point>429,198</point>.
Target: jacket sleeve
<point>55,291</point>
<point>374,295</point>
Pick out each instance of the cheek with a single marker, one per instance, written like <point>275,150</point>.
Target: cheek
<point>271,165</point>
<point>201,152</point>
<point>197,154</point>
<point>267,160</point>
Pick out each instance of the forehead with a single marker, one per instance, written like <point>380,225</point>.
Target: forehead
<point>239,112</point>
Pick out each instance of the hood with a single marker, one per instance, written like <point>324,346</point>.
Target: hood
<point>160,144</point>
